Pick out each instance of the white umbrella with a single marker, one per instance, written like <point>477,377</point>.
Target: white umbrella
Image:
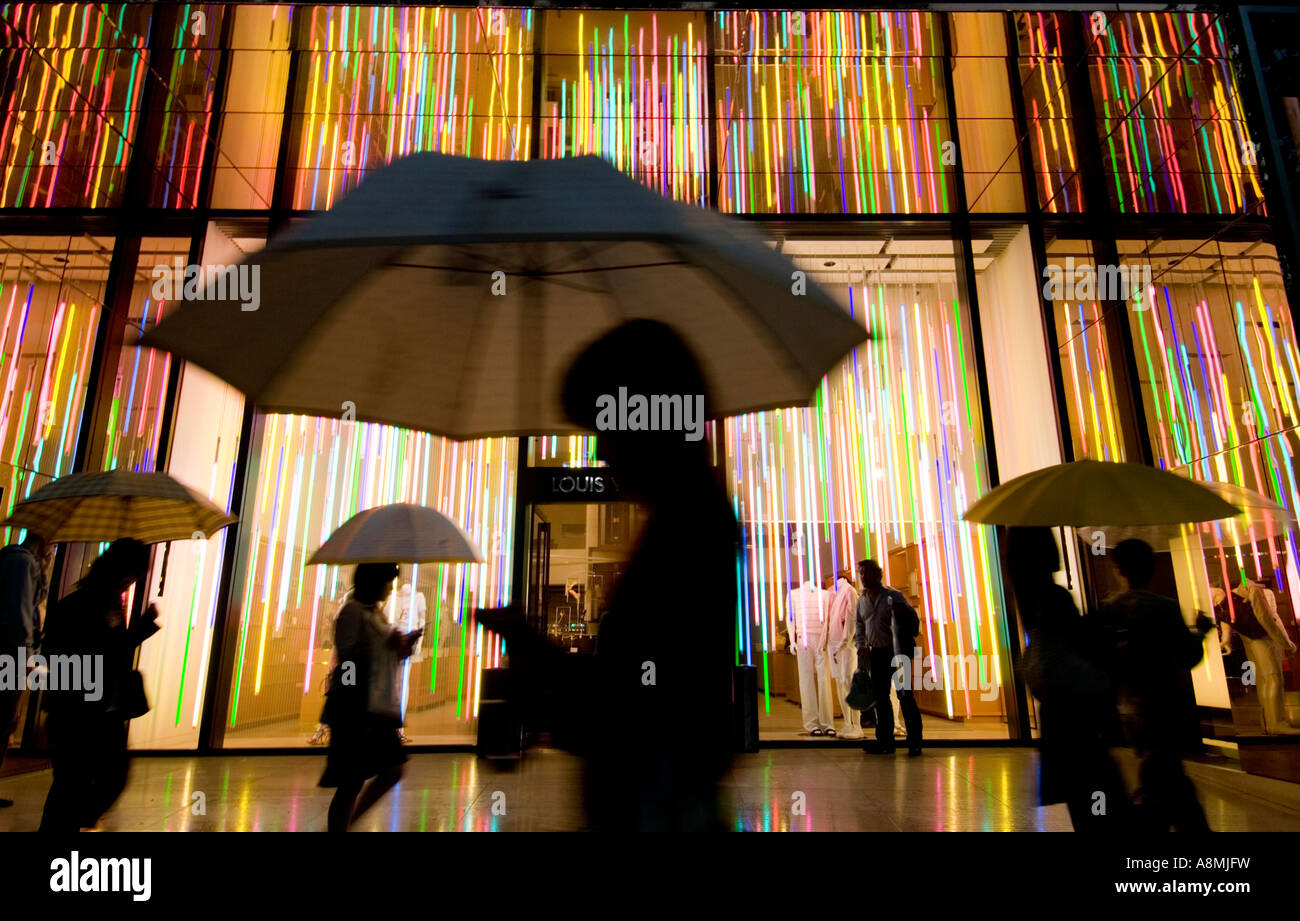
<point>399,533</point>
<point>452,295</point>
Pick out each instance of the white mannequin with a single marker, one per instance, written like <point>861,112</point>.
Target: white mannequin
<point>1265,653</point>
<point>843,654</point>
<point>809,609</point>
<point>406,610</point>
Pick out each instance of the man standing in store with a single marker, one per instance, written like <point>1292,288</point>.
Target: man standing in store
<point>22,591</point>
<point>887,626</point>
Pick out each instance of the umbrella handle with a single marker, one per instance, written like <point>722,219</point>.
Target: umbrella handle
<point>162,578</point>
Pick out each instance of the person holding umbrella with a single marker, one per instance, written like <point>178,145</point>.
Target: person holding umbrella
<point>363,707</point>
<point>88,728</point>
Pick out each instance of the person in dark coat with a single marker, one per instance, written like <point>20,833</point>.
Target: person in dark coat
<point>1065,665</point>
<point>88,731</point>
<point>1154,652</point>
<point>363,706</point>
<point>651,710</point>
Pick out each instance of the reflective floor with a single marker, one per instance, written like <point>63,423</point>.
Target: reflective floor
<point>802,789</point>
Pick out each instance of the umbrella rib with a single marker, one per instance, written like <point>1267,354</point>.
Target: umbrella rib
<point>545,274</point>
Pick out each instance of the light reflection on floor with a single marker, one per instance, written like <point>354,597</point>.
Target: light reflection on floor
<point>957,789</point>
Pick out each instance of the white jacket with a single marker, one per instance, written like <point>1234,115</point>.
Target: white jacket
<point>808,614</point>
<point>843,616</point>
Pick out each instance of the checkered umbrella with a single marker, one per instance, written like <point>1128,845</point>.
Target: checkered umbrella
<point>150,507</point>
<point>398,533</point>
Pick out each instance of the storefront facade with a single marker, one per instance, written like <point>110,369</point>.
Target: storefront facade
<point>948,176</point>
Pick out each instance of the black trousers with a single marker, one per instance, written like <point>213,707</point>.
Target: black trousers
<point>880,660</point>
<point>10,703</point>
<point>89,757</point>
<point>1166,796</point>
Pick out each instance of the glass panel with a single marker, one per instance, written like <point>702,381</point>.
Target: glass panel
<point>1047,111</point>
<point>990,149</point>
<point>312,475</point>
<point>70,77</point>
<point>1085,351</point>
<point>51,291</point>
<point>204,450</point>
<point>632,88</point>
<point>253,114</point>
<point>563,451</point>
<point>1222,391</point>
<point>830,112</point>
<point>188,106</point>
<point>1173,134</point>
<point>882,465</point>
<point>377,83</point>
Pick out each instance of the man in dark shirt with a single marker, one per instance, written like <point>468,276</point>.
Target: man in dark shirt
<point>1154,653</point>
<point>885,623</point>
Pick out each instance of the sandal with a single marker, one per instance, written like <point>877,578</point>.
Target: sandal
<point>815,732</point>
<point>830,732</point>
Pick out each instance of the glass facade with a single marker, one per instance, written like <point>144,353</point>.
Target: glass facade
<point>942,174</point>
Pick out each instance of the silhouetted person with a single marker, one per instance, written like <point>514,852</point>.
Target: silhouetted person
<point>22,592</point>
<point>88,736</point>
<point>885,622</point>
<point>1154,654</point>
<point>651,710</point>
<point>1065,665</point>
<point>363,706</point>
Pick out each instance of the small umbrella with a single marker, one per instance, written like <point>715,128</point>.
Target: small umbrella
<point>451,295</point>
<point>398,533</point>
<point>1087,492</point>
<point>91,507</point>
<point>1257,511</point>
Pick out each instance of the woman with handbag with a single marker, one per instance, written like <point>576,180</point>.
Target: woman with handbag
<point>363,706</point>
<point>88,727</point>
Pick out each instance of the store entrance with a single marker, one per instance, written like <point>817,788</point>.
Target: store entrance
<point>578,553</point>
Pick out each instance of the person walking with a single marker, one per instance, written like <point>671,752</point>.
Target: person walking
<point>22,591</point>
<point>808,610</point>
<point>886,627</point>
<point>1066,668</point>
<point>88,727</point>
<point>843,653</point>
<point>363,707</point>
<point>1154,652</point>
<point>651,711</point>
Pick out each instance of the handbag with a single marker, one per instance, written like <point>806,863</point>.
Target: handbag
<point>860,696</point>
<point>131,699</point>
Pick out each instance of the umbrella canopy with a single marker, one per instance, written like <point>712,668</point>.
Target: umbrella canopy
<point>150,507</point>
<point>1088,492</point>
<point>399,533</point>
<point>451,295</point>
<point>1257,511</point>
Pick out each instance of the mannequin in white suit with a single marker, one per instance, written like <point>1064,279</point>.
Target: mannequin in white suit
<point>844,660</point>
<point>809,610</point>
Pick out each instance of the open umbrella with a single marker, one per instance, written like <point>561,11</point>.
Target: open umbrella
<point>150,507</point>
<point>398,533</point>
<point>451,295</point>
<point>1088,492</point>
<point>1257,511</point>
